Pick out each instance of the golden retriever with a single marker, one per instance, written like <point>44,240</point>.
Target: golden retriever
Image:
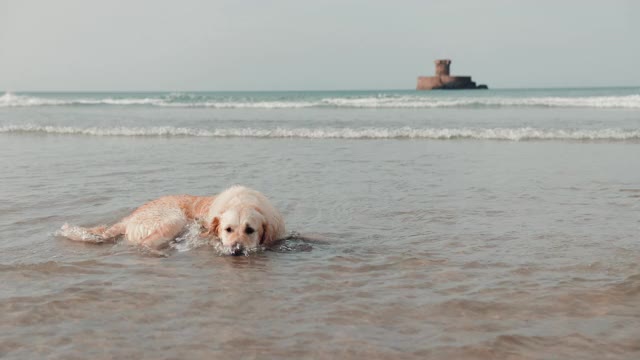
<point>239,220</point>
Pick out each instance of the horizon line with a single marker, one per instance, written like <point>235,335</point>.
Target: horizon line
<point>311,90</point>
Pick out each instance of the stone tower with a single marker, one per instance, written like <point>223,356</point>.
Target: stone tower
<point>442,67</point>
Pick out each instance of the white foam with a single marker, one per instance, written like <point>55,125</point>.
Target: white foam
<point>512,134</point>
<point>627,101</point>
<point>381,101</point>
<point>12,100</point>
<point>189,239</point>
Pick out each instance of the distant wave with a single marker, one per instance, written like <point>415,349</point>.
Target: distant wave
<point>12,100</point>
<point>393,101</point>
<point>512,134</point>
<point>627,101</point>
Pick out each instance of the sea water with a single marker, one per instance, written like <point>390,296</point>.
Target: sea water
<point>465,224</point>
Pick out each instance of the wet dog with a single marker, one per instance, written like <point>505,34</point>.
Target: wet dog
<point>238,220</point>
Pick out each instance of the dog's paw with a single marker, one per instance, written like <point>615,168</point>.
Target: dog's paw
<point>78,233</point>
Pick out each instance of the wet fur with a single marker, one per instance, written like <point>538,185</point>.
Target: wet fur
<point>238,210</point>
<point>154,224</point>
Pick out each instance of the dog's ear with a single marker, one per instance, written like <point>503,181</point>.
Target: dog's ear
<point>214,227</point>
<point>265,234</point>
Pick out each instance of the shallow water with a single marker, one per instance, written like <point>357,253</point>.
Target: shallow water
<point>459,248</point>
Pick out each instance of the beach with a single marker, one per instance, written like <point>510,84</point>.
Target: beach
<point>474,224</point>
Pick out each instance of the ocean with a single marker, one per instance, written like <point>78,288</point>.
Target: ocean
<point>465,224</point>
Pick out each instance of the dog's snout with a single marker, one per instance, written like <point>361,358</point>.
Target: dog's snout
<point>237,249</point>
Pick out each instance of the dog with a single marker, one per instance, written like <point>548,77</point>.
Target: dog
<point>239,220</point>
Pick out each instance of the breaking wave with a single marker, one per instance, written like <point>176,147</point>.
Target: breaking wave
<point>628,101</point>
<point>369,101</point>
<point>512,134</point>
<point>172,100</point>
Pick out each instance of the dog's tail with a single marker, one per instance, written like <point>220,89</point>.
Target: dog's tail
<point>98,234</point>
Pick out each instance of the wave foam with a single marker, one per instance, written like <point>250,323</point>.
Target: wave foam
<point>512,134</point>
<point>627,101</point>
<point>392,101</point>
<point>172,100</point>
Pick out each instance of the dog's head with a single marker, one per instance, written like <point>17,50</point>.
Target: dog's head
<point>240,230</point>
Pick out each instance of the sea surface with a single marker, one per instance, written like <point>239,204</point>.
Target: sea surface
<point>424,225</point>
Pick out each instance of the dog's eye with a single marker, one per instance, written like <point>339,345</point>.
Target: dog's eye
<point>229,229</point>
<point>249,230</point>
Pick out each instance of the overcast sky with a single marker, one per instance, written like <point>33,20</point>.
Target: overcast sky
<point>69,45</point>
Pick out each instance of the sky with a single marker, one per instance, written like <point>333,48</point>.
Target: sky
<point>158,45</point>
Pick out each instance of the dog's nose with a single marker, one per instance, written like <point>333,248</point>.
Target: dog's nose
<point>237,249</point>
